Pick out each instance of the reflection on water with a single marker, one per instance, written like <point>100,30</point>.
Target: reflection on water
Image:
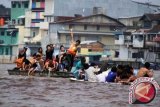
<point>20,91</point>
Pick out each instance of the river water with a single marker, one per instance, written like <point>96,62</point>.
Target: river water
<point>21,91</point>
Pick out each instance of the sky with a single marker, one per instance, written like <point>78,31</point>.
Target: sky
<point>6,3</point>
<point>154,2</point>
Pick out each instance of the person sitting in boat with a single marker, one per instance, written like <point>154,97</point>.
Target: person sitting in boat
<point>90,73</point>
<point>112,75</point>
<point>145,71</point>
<point>40,51</point>
<point>51,65</point>
<point>26,65</point>
<point>72,51</point>
<point>79,66</point>
<point>36,66</point>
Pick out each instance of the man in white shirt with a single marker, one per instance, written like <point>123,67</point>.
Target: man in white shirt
<point>90,73</point>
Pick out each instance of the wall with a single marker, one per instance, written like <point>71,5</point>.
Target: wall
<point>8,39</point>
<point>18,11</point>
<point>129,21</point>
<point>21,34</point>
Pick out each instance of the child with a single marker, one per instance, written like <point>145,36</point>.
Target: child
<point>36,66</point>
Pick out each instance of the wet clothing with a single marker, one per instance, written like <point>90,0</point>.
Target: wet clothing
<point>75,70</point>
<point>111,77</point>
<point>89,74</point>
<point>102,77</point>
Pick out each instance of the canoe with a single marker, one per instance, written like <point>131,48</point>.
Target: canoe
<point>44,73</point>
<point>83,81</point>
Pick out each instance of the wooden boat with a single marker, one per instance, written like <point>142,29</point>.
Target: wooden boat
<point>43,73</point>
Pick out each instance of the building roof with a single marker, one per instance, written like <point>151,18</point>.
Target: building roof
<point>151,17</point>
<point>81,18</point>
<point>155,29</point>
<point>87,32</point>
<point>89,42</point>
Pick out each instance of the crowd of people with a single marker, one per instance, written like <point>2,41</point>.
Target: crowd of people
<point>121,73</point>
<point>62,61</point>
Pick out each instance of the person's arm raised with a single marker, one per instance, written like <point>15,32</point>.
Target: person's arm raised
<point>72,40</point>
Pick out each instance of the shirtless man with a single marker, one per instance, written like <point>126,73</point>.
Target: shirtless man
<point>72,50</point>
<point>145,71</point>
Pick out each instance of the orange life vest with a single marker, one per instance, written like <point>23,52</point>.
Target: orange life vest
<point>72,50</point>
<point>19,62</point>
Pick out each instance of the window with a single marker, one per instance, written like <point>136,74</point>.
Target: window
<point>1,41</point>
<point>112,28</point>
<point>13,21</point>
<point>89,50</point>
<point>19,5</point>
<point>1,51</point>
<point>93,38</point>
<point>34,34</point>
<point>8,33</point>
<point>2,33</point>
<point>116,37</point>
<point>13,5</point>
<point>68,39</point>
<point>98,27</point>
<point>85,27</point>
<point>26,5</point>
<point>147,24</point>
<point>70,26</point>
<point>7,51</point>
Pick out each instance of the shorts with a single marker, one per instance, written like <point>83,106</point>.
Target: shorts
<point>26,61</point>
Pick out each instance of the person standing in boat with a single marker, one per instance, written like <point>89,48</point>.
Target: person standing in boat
<point>40,51</point>
<point>49,53</point>
<point>72,51</point>
<point>61,57</point>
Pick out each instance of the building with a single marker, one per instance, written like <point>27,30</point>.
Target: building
<point>6,39</point>
<point>18,8</point>
<point>142,41</point>
<point>97,27</point>
<point>33,22</point>
<point>151,27</point>
<point>12,32</point>
<point>93,50</point>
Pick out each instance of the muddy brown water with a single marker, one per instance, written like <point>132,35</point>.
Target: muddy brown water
<point>20,91</point>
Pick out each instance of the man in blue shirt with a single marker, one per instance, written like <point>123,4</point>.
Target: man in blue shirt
<point>112,75</point>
